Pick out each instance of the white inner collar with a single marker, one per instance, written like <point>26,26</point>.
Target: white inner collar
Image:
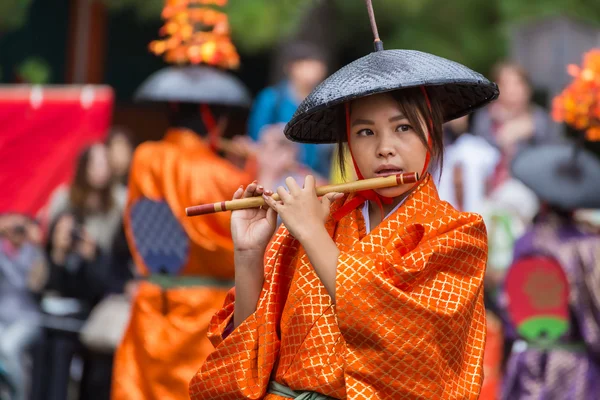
<point>365,213</point>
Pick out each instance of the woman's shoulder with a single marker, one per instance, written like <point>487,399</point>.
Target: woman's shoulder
<point>448,220</point>
<point>59,201</point>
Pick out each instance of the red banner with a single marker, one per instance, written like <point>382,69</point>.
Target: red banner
<point>42,132</point>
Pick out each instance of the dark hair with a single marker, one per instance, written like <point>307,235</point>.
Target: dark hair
<point>502,66</point>
<point>302,51</point>
<point>414,106</point>
<point>188,116</point>
<point>116,131</point>
<point>80,187</point>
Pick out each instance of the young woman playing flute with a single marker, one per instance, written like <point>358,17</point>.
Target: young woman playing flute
<point>373,295</point>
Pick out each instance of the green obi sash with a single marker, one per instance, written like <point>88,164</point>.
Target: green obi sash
<point>284,391</point>
<point>174,281</point>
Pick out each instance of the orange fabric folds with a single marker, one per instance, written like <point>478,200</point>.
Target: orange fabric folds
<point>166,340</point>
<point>409,320</point>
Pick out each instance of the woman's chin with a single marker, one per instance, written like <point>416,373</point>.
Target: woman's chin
<point>394,191</point>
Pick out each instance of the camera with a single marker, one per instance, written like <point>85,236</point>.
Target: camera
<point>77,234</point>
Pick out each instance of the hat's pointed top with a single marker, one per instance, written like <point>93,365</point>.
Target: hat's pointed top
<point>377,41</point>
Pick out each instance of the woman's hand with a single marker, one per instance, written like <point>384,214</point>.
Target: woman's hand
<point>300,209</point>
<point>252,229</point>
<point>86,246</point>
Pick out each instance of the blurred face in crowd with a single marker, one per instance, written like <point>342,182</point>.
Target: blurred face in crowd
<point>307,74</point>
<point>62,237</point>
<point>18,229</point>
<point>120,151</point>
<point>98,168</point>
<point>276,150</point>
<point>515,93</point>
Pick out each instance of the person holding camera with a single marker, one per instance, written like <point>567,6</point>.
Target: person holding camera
<point>75,284</point>
<point>22,275</point>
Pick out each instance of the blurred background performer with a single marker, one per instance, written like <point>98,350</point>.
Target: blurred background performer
<point>186,264</point>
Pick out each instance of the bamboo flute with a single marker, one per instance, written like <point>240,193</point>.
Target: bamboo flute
<point>255,202</point>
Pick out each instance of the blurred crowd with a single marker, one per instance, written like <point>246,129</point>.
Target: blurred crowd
<point>57,268</point>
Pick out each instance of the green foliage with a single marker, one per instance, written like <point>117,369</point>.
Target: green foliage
<point>469,31</point>
<point>258,24</point>
<point>34,70</point>
<point>13,14</point>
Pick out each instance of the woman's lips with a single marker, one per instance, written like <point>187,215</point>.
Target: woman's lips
<point>389,171</point>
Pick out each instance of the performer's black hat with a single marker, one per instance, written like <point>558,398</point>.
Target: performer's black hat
<point>194,84</point>
<point>562,175</point>
<point>459,89</point>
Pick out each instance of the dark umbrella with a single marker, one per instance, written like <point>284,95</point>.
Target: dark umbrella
<point>194,84</point>
<point>459,89</point>
<point>561,175</point>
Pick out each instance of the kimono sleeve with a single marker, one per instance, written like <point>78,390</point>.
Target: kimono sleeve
<point>413,319</point>
<point>221,324</point>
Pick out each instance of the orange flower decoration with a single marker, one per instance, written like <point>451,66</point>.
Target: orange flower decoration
<point>579,104</point>
<point>195,32</point>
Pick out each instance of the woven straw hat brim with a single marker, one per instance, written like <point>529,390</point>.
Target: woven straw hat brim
<point>459,89</point>
<point>194,84</point>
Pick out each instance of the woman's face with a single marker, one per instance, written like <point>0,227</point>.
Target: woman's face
<point>514,90</point>
<point>277,151</point>
<point>98,168</point>
<point>383,141</point>
<point>120,152</point>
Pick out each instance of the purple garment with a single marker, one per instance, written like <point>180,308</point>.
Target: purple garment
<point>558,373</point>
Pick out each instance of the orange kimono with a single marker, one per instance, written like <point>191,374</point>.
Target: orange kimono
<point>166,340</point>
<point>492,360</point>
<point>408,323</point>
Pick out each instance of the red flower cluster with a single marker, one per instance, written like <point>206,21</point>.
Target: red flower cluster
<point>196,34</point>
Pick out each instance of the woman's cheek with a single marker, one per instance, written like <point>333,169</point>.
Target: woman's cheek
<point>394,191</point>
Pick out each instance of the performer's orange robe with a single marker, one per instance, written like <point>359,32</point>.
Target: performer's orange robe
<point>166,340</point>
<point>408,323</point>
<point>492,360</point>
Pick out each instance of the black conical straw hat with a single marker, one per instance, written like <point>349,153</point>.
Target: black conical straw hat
<point>459,89</point>
<point>561,175</point>
<point>194,84</point>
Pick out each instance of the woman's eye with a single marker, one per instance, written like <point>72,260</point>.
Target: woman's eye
<point>365,132</point>
<point>403,128</point>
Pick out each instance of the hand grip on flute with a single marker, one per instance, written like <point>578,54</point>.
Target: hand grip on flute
<point>255,202</point>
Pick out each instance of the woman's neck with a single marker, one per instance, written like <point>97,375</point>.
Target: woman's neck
<point>375,216</point>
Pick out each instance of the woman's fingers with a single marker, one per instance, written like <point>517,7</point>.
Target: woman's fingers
<point>284,195</point>
<point>271,202</point>
<point>238,193</point>
<point>292,185</point>
<point>251,189</point>
<point>309,183</point>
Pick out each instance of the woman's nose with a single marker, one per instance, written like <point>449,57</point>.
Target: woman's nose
<point>385,148</point>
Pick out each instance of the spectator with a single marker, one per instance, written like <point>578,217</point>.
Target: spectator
<point>22,275</point>
<point>92,198</point>
<point>120,151</point>
<point>513,120</point>
<point>469,162</point>
<point>77,270</point>
<point>305,68</point>
<point>277,159</point>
